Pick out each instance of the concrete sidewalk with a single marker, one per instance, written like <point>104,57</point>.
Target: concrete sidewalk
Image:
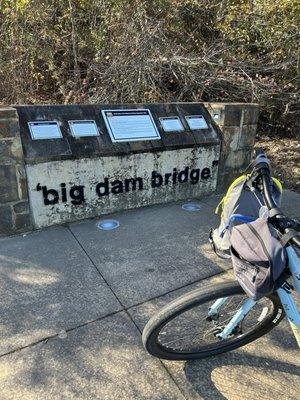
<point>74,300</point>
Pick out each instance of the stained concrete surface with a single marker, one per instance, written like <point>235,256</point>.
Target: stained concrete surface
<point>103,360</point>
<point>47,284</point>
<point>155,250</point>
<point>70,278</point>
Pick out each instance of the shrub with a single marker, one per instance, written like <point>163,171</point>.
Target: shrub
<point>62,51</point>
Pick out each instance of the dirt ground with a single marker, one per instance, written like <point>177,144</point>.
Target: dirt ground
<point>285,159</point>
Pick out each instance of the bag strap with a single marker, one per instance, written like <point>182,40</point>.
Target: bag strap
<point>219,253</point>
<point>286,237</point>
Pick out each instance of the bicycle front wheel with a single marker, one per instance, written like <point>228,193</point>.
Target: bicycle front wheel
<point>183,329</point>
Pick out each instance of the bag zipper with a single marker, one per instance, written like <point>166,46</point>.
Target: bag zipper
<point>254,231</point>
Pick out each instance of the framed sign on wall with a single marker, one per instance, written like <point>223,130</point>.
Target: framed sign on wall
<point>83,128</point>
<point>196,122</point>
<point>130,125</point>
<point>44,130</point>
<point>171,124</point>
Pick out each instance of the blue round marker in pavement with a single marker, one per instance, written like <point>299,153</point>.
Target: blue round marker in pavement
<point>108,224</point>
<point>191,207</point>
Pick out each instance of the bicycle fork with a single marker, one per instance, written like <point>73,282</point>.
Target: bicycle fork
<point>235,320</point>
<point>287,302</point>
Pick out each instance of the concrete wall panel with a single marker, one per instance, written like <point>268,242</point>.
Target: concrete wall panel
<point>62,191</point>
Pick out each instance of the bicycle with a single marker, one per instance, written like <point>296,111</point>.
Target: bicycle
<point>220,318</point>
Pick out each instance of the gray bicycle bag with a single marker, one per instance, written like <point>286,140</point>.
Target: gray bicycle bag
<point>258,258</point>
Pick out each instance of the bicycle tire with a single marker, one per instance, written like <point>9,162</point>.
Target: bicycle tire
<point>200,297</point>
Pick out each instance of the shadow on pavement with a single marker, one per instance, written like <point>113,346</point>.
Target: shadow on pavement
<point>238,375</point>
<point>102,360</point>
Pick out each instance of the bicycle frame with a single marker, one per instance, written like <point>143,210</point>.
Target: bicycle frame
<point>284,293</point>
<point>286,297</point>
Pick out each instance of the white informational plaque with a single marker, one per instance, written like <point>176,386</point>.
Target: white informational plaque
<point>171,124</point>
<point>196,122</point>
<point>83,128</point>
<point>44,130</point>
<point>130,125</point>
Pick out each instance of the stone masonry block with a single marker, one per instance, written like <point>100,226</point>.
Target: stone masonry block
<point>233,114</point>
<point>23,223</point>
<point>10,150</point>
<point>241,114</point>
<point>8,112</point>
<point>9,128</point>
<point>226,114</point>
<point>8,184</point>
<point>237,138</point>
<point>225,179</point>
<point>217,112</point>
<point>6,220</point>
<point>22,182</point>
<point>237,122</point>
<point>231,138</point>
<point>238,160</point>
<point>251,113</point>
<point>236,165</point>
<point>21,207</point>
<point>247,136</point>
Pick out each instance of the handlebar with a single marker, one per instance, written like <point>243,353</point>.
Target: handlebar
<point>262,166</point>
<point>259,151</point>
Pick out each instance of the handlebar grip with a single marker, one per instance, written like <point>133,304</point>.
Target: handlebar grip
<point>259,151</point>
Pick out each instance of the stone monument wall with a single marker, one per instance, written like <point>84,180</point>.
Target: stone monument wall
<point>63,179</point>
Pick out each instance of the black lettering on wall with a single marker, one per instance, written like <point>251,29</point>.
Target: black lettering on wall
<point>195,176</point>
<point>102,188</point>
<point>156,179</point>
<point>77,194</point>
<point>183,175</point>
<point>174,177</point>
<point>133,182</point>
<point>167,177</point>
<point>50,196</point>
<point>117,187</point>
<point>205,173</point>
<point>63,192</point>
